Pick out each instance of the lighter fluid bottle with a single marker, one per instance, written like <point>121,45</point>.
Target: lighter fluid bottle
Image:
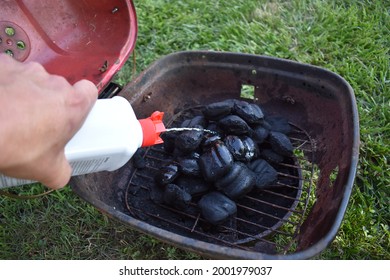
<point>109,137</point>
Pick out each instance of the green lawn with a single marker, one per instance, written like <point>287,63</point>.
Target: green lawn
<point>351,38</point>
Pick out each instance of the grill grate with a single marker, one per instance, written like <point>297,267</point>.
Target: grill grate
<point>266,221</point>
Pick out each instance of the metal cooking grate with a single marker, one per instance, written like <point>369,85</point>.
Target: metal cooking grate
<point>266,221</point>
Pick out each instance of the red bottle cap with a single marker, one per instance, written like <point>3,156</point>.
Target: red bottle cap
<point>152,127</point>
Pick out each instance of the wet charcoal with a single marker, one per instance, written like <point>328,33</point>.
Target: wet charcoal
<point>189,166</point>
<point>259,134</point>
<point>188,141</point>
<point>242,148</point>
<point>210,141</point>
<point>217,110</point>
<point>270,156</point>
<point>213,126</point>
<point>277,123</point>
<point>215,162</point>
<point>280,143</point>
<point>238,182</point>
<point>195,122</point>
<point>176,197</point>
<point>216,208</point>
<point>138,159</point>
<point>167,174</point>
<point>233,124</point>
<point>195,186</point>
<point>249,112</point>
<point>265,174</point>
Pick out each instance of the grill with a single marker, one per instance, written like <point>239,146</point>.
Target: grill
<point>259,214</point>
<point>297,217</point>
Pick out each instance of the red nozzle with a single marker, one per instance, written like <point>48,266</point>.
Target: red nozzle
<point>152,127</point>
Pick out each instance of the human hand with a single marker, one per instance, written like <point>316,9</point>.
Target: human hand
<point>39,114</point>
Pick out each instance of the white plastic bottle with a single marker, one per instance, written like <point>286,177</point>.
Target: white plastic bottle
<point>109,137</point>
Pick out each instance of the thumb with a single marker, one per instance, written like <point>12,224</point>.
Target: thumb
<point>58,173</point>
<point>86,91</point>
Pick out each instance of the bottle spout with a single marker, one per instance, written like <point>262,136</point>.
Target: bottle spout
<point>152,127</point>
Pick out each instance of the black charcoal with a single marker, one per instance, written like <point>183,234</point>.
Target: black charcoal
<point>195,186</point>
<point>271,156</point>
<point>265,174</point>
<point>169,141</point>
<point>189,166</point>
<point>215,162</point>
<point>238,182</point>
<point>259,134</point>
<point>280,143</point>
<point>195,122</point>
<point>249,112</point>
<point>243,148</point>
<point>216,207</point>
<point>233,124</point>
<point>188,141</point>
<point>176,197</point>
<point>210,141</point>
<point>167,174</point>
<point>217,110</point>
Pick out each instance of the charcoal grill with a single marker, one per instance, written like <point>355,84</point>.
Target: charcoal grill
<point>295,219</point>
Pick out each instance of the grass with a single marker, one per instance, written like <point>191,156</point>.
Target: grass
<point>349,37</point>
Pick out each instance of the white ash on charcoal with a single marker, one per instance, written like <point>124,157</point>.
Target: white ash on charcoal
<point>217,170</point>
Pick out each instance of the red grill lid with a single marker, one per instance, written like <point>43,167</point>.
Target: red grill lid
<point>76,39</point>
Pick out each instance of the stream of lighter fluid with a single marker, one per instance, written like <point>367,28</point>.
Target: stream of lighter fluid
<point>178,129</point>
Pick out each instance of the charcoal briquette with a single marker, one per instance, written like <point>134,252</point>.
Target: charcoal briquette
<point>176,197</point>
<point>265,174</point>
<point>280,143</point>
<point>238,182</point>
<point>259,134</point>
<point>215,162</point>
<point>188,141</point>
<point>210,141</point>
<point>169,142</point>
<point>249,112</point>
<point>243,148</point>
<point>189,166</point>
<point>217,110</point>
<point>216,207</point>
<point>271,156</point>
<point>195,186</point>
<point>233,124</point>
<point>167,174</point>
<point>195,122</point>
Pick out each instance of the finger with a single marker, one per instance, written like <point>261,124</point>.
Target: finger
<point>87,90</point>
